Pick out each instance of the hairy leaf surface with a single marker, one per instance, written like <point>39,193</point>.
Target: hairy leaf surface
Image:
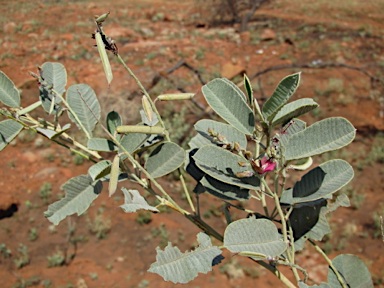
<point>179,267</point>
<point>167,157</point>
<point>294,110</point>
<point>281,95</point>
<point>254,235</point>
<point>9,129</point>
<point>230,103</point>
<point>326,135</point>
<point>9,94</point>
<point>82,99</point>
<point>352,269</point>
<point>80,192</point>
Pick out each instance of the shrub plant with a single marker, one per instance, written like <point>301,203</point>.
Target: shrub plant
<point>247,157</point>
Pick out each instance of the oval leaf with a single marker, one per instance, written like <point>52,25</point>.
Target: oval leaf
<point>352,269</point>
<point>56,76</point>
<point>223,166</point>
<point>326,135</point>
<point>229,103</point>
<point>81,98</point>
<point>113,121</point>
<point>294,110</point>
<point>166,158</point>
<point>9,94</point>
<point>231,134</point>
<point>321,182</point>
<point>80,192</point>
<point>254,235</point>
<point>179,267</point>
<point>9,129</point>
<point>281,95</point>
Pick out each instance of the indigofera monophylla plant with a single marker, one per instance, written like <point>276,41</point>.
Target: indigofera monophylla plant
<point>221,158</point>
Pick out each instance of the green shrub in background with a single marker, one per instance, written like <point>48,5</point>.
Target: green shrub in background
<point>219,158</point>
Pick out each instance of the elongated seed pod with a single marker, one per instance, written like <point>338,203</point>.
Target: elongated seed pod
<point>115,169</point>
<point>104,57</point>
<point>140,129</point>
<point>102,18</point>
<point>147,108</point>
<point>180,96</point>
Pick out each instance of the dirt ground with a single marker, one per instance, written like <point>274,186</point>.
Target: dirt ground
<point>109,248</point>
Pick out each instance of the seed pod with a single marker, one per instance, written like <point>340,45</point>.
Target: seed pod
<point>104,57</point>
<point>180,96</point>
<point>102,18</point>
<point>147,108</point>
<point>140,129</point>
<point>115,169</point>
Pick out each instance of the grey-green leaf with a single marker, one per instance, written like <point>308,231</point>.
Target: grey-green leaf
<point>326,135</point>
<point>281,95</point>
<point>101,144</point>
<point>231,134</point>
<point>179,267</point>
<point>294,110</point>
<point>51,134</point>
<point>166,158</point>
<point>133,141</point>
<point>320,182</point>
<point>81,98</point>
<point>9,94</point>
<point>9,129</point>
<point>113,121</point>
<point>254,235</point>
<point>100,169</point>
<point>223,166</point>
<point>229,103</point>
<point>133,201</point>
<point>80,192</point>
<point>56,75</point>
<point>352,269</point>
<point>223,190</point>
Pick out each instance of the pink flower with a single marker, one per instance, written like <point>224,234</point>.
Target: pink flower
<point>263,165</point>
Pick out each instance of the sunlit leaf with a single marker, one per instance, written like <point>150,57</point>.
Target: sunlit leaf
<point>166,158</point>
<point>83,101</point>
<point>80,192</point>
<point>230,103</point>
<point>9,94</point>
<point>179,267</point>
<point>352,269</point>
<point>133,201</point>
<point>254,235</point>
<point>9,129</point>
